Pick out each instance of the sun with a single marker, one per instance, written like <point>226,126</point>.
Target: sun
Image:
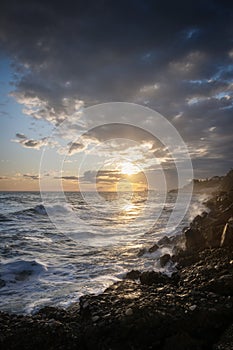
<point>128,168</point>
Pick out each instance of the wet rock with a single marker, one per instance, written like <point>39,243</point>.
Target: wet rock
<point>152,277</point>
<point>164,241</point>
<point>194,239</point>
<point>153,248</point>
<point>164,259</point>
<point>142,252</point>
<point>213,234</point>
<point>133,275</point>
<point>197,221</point>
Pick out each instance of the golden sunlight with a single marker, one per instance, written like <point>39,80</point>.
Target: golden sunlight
<point>128,168</point>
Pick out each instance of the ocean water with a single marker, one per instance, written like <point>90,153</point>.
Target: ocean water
<point>77,244</point>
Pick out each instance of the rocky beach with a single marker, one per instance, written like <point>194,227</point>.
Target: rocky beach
<point>190,310</point>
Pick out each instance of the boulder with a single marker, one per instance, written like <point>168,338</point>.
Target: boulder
<point>164,259</point>
<point>152,277</point>
<point>133,275</point>
<point>194,239</point>
<point>212,235</point>
<point>153,248</point>
<point>164,241</point>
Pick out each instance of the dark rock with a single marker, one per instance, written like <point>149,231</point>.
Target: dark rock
<point>164,259</point>
<point>213,234</point>
<point>175,278</point>
<point>227,236</point>
<point>133,275</point>
<point>153,248</point>
<point>194,239</point>
<point>152,277</point>
<point>142,252</point>
<point>222,285</point>
<point>164,241</point>
<point>190,310</point>
<point>227,182</point>
<point>197,221</point>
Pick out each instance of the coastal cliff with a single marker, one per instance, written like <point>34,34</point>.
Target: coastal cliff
<point>190,310</point>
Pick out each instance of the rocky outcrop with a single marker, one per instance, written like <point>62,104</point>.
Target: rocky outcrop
<point>214,229</point>
<point>164,259</point>
<point>208,185</point>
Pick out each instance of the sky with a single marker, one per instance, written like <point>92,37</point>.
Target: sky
<point>59,59</point>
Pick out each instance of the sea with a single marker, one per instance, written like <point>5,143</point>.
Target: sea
<point>56,247</point>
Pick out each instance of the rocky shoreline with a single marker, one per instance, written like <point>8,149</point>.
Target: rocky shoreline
<point>191,310</point>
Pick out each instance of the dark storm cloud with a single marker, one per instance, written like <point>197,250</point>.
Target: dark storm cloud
<point>175,56</point>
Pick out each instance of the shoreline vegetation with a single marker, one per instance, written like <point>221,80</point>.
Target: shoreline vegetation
<point>190,310</point>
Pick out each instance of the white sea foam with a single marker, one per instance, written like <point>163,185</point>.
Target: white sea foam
<point>198,207</point>
<point>41,266</point>
<point>21,270</point>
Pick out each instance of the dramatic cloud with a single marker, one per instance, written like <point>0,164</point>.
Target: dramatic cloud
<point>110,179</point>
<point>176,57</point>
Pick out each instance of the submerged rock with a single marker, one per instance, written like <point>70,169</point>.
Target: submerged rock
<point>153,249</point>
<point>141,252</point>
<point>164,241</point>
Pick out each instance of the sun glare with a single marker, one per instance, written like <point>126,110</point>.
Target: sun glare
<point>129,168</point>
